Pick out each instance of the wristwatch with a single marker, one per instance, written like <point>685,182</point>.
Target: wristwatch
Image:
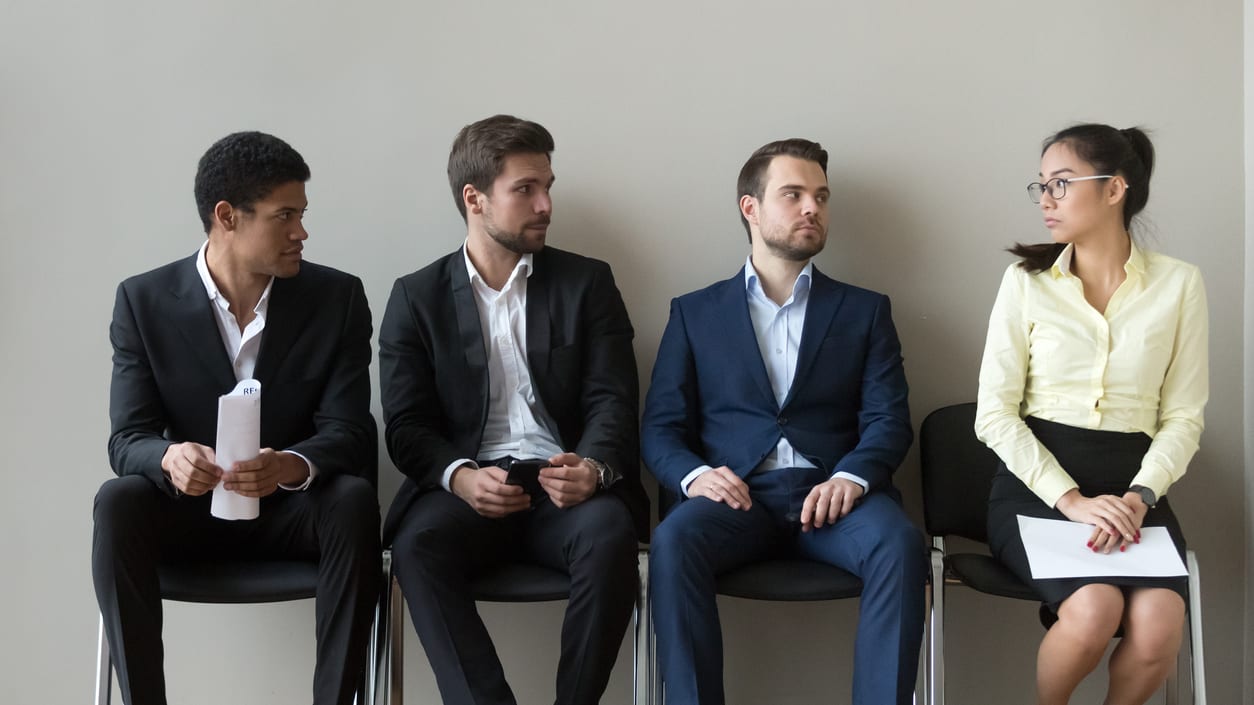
<point>1147,495</point>
<point>605,474</point>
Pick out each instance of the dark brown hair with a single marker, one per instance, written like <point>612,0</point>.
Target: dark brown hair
<point>751,181</point>
<point>1127,153</point>
<point>479,151</point>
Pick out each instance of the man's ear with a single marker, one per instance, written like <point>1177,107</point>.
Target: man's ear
<point>749,208</point>
<point>225,216</point>
<point>473,199</point>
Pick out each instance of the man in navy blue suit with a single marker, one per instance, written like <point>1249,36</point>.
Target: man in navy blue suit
<point>778,412</point>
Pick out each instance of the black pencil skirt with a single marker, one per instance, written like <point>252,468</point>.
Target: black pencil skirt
<point>1101,462</point>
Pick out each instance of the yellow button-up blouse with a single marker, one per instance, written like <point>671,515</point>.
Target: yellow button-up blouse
<point>1142,366</point>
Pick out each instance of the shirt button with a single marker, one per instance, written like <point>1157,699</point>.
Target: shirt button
<point>779,351</point>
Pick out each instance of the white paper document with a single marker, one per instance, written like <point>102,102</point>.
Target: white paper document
<point>239,438</point>
<point>1056,549</point>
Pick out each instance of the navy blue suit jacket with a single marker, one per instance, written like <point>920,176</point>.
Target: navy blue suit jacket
<point>710,401</point>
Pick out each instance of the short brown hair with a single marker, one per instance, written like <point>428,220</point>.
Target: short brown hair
<point>479,151</point>
<point>751,181</point>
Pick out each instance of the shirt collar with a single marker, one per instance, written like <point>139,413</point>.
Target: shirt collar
<point>215,295</point>
<point>523,268</point>
<point>1062,265</point>
<point>754,284</point>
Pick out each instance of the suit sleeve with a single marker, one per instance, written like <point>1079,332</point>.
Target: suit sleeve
<point>137,414</point>
<point>610,389</point>
<point>345,438</point>
<point>413,417</point>
<point>884,433</point>
<point>671,422</point>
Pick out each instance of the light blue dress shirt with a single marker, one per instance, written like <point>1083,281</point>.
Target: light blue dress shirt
<point>778,330</point>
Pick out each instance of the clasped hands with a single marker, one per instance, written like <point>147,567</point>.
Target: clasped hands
<point>827,502</point>
<point>1116,520</point>
<point>193,470</point>
<point>568,481</point>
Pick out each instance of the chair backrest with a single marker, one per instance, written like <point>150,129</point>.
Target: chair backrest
<point>957,474</point>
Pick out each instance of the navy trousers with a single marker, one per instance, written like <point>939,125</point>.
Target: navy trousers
<point>701,538</point>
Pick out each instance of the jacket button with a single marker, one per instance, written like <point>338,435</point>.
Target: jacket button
<point>782,421</point>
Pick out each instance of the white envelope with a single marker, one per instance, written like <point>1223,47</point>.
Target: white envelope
<point>1056,549</point>
<point>239,438</point>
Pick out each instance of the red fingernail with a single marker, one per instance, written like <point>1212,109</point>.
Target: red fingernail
<point>1123,547</point>
<point>1089,544</point>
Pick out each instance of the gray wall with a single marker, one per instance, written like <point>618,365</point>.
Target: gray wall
<point>932,112</point>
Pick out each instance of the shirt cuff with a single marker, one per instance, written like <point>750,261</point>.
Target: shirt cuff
<point>447,477</point>
<point>684,483</point>
<point>866,486</point>
<point>1156,480</point>
<point>313,472</point>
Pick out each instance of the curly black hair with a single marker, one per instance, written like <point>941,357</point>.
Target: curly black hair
<point>243,168</point>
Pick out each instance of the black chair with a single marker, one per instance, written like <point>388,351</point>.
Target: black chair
<point>957,476</point>
<point>513,582</point>
<point>235,582</point>
<point>773,579</point>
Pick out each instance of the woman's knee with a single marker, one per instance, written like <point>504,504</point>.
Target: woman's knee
<point>1093,613</point>
<point>1154,624</point>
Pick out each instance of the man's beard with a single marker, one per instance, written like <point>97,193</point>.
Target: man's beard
<point>783,247</point>
<point>515,242</point>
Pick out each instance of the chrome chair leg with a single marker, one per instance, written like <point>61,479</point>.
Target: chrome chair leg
<point>1196,658</point>
<point>104,668</point>
<point>641,672</point>
<point>936,626</point>
<point>396,652</point>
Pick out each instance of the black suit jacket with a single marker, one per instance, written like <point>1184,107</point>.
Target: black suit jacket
<point>433,372</point>
<point>170,367</point>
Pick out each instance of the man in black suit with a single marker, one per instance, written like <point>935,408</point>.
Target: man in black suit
<point>505,351</point>
<point>244,306</point>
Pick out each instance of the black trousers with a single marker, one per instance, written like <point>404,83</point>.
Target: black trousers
<point>138,525</point>
<point>442,544</point>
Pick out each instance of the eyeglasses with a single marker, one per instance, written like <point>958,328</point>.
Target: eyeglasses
<point>1057,188</point>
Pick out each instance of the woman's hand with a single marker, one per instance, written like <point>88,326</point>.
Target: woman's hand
<point>1117,523</point>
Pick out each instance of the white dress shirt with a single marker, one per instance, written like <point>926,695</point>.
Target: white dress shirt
<point>242,347</point>
<point>778,330</point>
<point>517,423</point>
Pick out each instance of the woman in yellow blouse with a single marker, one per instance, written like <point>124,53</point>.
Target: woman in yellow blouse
<point>1091,392</point>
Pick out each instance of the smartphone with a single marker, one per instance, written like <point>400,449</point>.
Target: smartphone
<point>526,474</point>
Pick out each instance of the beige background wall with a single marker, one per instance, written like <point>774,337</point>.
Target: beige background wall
<point>933,113</point>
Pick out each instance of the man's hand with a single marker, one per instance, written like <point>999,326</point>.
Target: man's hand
<point>829,501</point>
<point>191,467</point>
<point>486,492</point>
<point>570,481</point>
<point>261,475</point>
<point>721,485</point>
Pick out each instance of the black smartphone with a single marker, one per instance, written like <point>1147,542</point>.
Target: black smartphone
<point>526,474</point>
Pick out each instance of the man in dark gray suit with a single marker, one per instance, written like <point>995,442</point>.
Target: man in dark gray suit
<point>504,353</point>
<point>244,306</point>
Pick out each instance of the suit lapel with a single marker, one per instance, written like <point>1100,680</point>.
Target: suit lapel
<point>740,333</point>
<point>190,312</point>
<point>538,341</point>
<point>470,332</point>
<point>825,299</point>
<point>286,315</point>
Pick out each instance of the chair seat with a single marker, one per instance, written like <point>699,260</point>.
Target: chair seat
<point>238,582</point>
<point>789,580</point>
<point>988,575</point>
<point>522,582</point>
